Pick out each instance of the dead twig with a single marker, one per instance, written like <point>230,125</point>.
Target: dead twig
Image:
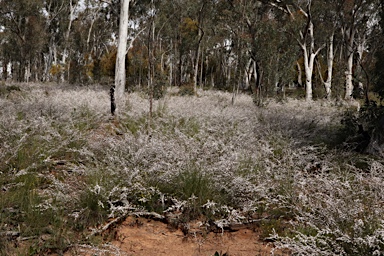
<point>153,215</point>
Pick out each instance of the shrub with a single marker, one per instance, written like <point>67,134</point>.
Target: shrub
<point>63,162</point>
<point>187,90</point>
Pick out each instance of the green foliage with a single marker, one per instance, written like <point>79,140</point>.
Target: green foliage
<point>189,28</point>
<point>159,88</point>
<point>94,208</point>
<point>190,127</point>
<point>132,124</point>
<point>26,211</point>
<point>186,90</point>
<point>7,89</point>
<point>195,187</point>
<point>379,65</point>
<point>108,62</point>
<point>359,128</point>
<point>270,226</point>
<point>93,199</point>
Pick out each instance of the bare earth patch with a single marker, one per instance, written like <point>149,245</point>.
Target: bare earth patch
<point>141,236</point>
<point>152,237</point>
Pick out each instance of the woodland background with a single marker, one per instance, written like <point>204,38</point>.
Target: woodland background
<point>327,48</point>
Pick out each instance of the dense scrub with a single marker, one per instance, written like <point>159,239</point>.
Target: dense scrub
<point>67,169</point>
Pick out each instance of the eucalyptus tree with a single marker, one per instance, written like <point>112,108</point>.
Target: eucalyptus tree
<point>203,8</point>
<point>91,38</point>
<point>379,65</point>
<point>180,27</point>
<point>328,15</point>
<point>56,23</point>
<point>263,51</point>
<point>243,15</point>
<point>275,48</point>
<point>5,51</point>
<point>301,13</point>
<point>232,17</point>
<point>23,24</point>
<point>356,17</point>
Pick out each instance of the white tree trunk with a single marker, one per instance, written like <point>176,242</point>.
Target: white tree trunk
<point>331,56</point>
<point>308,70</point>
<point>66,40</point>
<point>349,77</point>
<point>299,74</point>
<point>350,33</point>
<point>120,59</point>
<point>309,59</point>
<point>360,51</point>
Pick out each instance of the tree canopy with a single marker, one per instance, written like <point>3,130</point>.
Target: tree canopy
<point>262,46</point>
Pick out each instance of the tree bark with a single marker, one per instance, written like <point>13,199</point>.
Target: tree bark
<point>331,56</point>
<point>117,91</point>
<point>308,69</point>
<point>349,77</point>
<point>66,41</point>
<point>299,74</point>
<point>349,69</point>
<point>196,68</point>
<point>309,58</point>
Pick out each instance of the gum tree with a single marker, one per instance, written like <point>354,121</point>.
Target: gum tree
<point>309,48</point>
<point>23,24</point>
<point>356,17</point>
<point>328,26</point>
<point>117,90</point>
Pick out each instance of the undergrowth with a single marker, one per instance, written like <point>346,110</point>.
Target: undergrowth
<point>67,169</point>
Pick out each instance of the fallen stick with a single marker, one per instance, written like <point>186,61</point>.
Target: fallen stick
<point>118,219</point>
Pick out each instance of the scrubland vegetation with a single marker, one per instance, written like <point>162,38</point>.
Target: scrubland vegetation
<point>288,168</point>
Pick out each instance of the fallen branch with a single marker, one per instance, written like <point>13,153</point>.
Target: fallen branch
<point>105,227</point>
<point>153,215</point>
<point>10,233</point>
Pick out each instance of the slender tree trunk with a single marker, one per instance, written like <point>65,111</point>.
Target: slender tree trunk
<point>197,60</point>
<point>27,72</point>
<point>151,67</point>
<point>349,69</point>
<point>196,70</point>
<point>5,70</point>
<point>179,51</point>
<point>328,82</point>
<point>299,74</point>
<point>349,77</point>
<point>201,69</point>
<point>171,71</point>
<point>66,40</point>
<point>359,71</point>
<point>309,59</point>
<point>117,91</point>
<point>308,70</point>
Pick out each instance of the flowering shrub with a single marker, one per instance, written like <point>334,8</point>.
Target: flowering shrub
<point>198,157</point>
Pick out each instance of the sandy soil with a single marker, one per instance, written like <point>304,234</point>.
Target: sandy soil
<point>148,237</point>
